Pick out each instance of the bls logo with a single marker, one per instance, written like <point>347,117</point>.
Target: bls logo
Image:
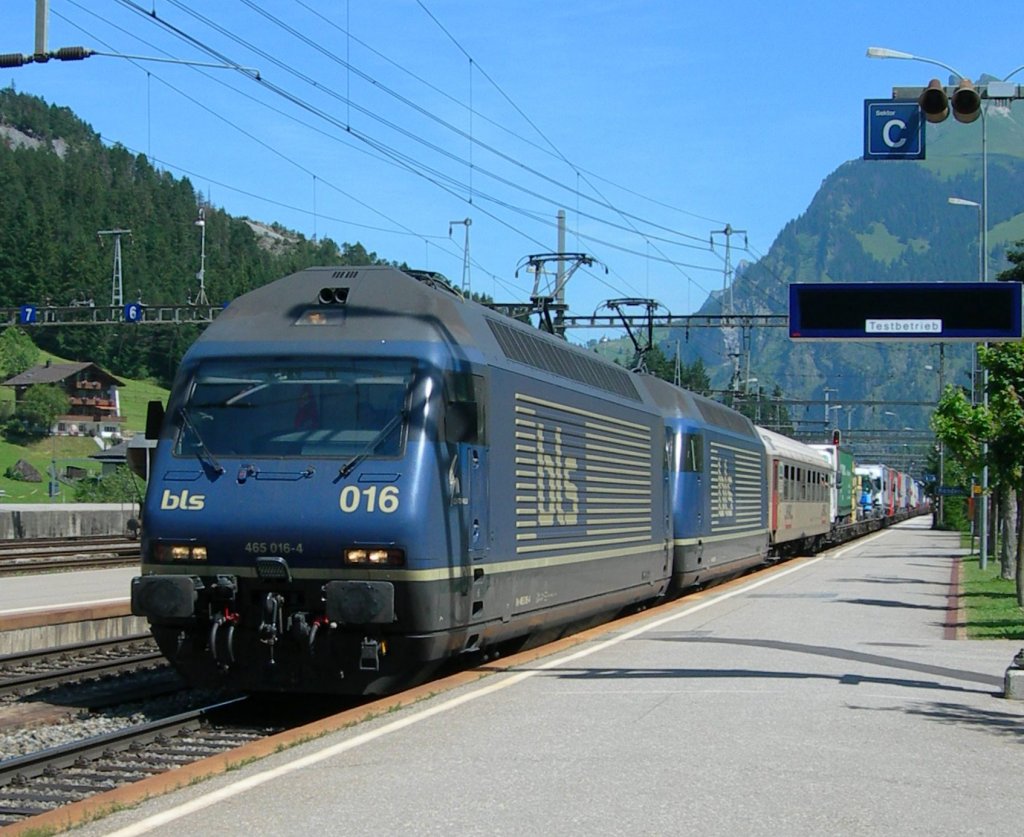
<point>557,495</point>
<point>183,501</point>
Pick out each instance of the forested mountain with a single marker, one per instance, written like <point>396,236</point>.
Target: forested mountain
<point>876,222</point>
<point>870,221</point>
<point>59,186</point>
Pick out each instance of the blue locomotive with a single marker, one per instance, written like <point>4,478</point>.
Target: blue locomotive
<point>359,475</point>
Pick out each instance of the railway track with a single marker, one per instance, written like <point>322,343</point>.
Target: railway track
<point>42,781</point>
<point>69,664</point>
<point>56,554</point>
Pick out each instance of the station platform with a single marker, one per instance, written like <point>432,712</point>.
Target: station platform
<point>830,695</point>
<point>46,610</point>
<point>40,592</point>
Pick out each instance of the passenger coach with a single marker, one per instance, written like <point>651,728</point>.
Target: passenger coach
<point>799,506</point>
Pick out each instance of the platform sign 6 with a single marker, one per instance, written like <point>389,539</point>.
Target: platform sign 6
<point>893,130</point>
<point>27,314</point>
<point>133,312</point>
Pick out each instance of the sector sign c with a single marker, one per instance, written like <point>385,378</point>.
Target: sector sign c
<point>893,130</point>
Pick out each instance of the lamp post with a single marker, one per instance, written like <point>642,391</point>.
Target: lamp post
<point>983,277</point>
<point>834,408</point>
<point>828,391</point>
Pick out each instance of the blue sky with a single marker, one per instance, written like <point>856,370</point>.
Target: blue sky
<point>651,123</point>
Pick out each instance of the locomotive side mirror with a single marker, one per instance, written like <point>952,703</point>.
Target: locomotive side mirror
<point>154,419</point>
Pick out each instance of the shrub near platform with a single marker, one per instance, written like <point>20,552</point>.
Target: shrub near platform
<point>990,602</point>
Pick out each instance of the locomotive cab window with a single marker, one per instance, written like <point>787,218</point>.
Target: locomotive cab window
<point>273,408</point>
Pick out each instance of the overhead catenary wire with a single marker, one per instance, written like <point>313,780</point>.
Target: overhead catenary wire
<point>413,163</point>
<point>453,185</point>
<point>546,148</point>
<point>390,124</point>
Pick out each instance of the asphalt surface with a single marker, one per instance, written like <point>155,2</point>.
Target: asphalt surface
<point>828,697</point>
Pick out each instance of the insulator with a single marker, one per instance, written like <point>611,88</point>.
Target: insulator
<point>75,53</point>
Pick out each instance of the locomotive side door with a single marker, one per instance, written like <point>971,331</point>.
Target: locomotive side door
<point>465,422</point>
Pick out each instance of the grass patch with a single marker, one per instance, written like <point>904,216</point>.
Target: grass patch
<point>990,602</point>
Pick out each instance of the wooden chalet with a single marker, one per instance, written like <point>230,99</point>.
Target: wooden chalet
<point>95,408</point>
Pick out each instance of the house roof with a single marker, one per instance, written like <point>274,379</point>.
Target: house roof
<point>54,373</point>
<point>115,453</point>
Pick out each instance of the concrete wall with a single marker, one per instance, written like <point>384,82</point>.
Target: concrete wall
<point>65,520</point>
<point>72,633</point>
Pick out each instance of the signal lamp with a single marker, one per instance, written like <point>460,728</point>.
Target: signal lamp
<point>933,101</point>
<point>966,102</point>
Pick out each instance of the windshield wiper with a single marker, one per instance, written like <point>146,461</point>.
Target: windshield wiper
<point>203,452</point>
<point>372,445</point>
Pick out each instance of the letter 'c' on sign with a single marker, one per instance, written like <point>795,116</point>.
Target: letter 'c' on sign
<point>897,126</point>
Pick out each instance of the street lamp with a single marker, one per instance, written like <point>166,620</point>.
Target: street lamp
<point>981,233</point>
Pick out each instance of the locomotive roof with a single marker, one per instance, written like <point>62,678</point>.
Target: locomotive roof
<point>314,309</point>
<point>325,304</point>
<point>681,403</point>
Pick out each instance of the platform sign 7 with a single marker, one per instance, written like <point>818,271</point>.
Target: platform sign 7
<point>27,314</point>
<point>893,130</point>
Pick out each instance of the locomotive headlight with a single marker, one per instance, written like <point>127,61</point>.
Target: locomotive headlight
<point>177,552</point>
<point>374,556</point>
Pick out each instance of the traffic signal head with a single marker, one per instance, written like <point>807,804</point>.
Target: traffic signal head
<point>933,101</point>
<point>966,102</point>
<point>836,437</point>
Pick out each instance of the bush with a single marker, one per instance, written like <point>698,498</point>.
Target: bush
<point>121,486</point>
